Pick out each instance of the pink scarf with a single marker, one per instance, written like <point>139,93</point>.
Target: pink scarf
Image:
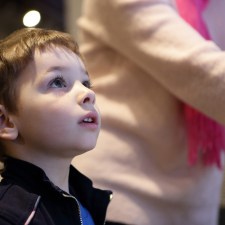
<point>206,138</point>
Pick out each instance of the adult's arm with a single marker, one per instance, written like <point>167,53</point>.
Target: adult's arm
<point>151,34</point>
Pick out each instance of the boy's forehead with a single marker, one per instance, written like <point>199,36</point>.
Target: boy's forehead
<point>58,54</point>
<point>55,50</point>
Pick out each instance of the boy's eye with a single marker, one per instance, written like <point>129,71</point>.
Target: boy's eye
<point>57,82</point>
<point>87,83</point>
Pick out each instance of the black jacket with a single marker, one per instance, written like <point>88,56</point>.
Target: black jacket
<point>27,196</point>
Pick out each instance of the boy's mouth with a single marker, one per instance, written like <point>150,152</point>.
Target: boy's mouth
<point>90,120</point>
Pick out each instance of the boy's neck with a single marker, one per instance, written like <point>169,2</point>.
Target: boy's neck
<point>57,170</point>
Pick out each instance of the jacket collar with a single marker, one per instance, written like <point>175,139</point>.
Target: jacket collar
<point>34,179</point>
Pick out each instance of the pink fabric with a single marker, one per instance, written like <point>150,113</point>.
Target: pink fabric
<point>191,11</point>
<point>206,137</point>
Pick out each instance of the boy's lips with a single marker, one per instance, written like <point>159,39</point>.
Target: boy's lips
<point>90,120</point>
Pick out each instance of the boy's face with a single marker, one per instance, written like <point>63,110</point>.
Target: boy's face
<point>56,108</point>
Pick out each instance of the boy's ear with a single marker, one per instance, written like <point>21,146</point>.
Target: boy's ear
<point>8,129</point>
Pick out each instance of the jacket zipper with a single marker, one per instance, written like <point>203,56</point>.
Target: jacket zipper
<point>30,217</point>
<point>78,206</point>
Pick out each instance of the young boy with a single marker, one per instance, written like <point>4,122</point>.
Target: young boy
<point>47,116</point>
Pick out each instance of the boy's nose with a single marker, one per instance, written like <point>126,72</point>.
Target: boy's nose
<point>87,96</point>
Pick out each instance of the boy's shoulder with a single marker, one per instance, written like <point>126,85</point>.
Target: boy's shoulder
<point>16,204</point>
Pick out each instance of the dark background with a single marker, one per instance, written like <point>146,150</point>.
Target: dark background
<point>12,12</point>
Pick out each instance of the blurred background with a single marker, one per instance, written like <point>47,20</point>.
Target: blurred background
<point>53,14</point>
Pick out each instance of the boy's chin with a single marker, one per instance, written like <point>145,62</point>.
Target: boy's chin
<point>85,150</point>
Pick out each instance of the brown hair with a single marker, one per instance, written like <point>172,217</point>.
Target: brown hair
<point>17,50</point>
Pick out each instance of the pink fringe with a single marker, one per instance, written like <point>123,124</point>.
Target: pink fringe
<point>206,138</point>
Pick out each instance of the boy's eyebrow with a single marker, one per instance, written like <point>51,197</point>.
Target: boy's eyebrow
<point>52,68</point>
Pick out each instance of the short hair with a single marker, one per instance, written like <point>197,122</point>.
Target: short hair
<point>17,50</point>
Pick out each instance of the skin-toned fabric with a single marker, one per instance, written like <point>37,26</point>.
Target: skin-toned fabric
<point>145,61</point>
